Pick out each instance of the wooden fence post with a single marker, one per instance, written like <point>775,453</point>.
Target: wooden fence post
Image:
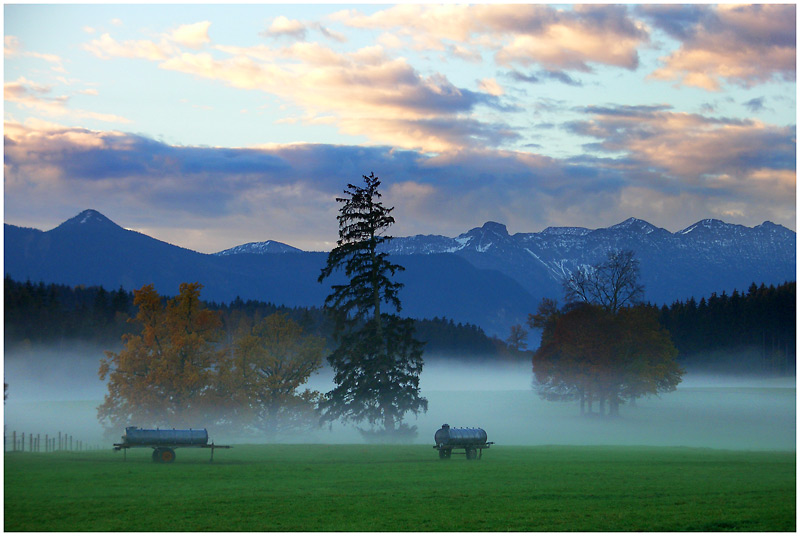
<point>65,442</point>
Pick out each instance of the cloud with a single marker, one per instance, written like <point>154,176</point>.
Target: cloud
<point>490,86</point>
<point>106,47</point>
<point>741,45</point>
<point>283,26</point>
<point>520,34</point>
<point>697,151</point>
<point>192,35</point>
<point>368,92</point>
<point>29,94</point>
<point>12,47</point>
<point>438,134</point>
<point>754,105</point>
<point>75,165</point>
<point>680,21</point>
<point>211,198</point>
<point>543,75</point>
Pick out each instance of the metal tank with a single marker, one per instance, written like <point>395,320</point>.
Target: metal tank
<point>140,436</point>
<point>459,437</point>
<point>472,440</point>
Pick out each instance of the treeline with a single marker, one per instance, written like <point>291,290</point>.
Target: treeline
<point>53,314</point>
<point>754,331</point>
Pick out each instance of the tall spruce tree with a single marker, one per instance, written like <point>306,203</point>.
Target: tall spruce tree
<point>378,361</point>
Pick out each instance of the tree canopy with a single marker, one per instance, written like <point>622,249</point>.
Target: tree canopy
<point>259,383</point>
<point>611,284</point>
<point>161,375</point>
<point>178,369</point>
<point>601,348</point>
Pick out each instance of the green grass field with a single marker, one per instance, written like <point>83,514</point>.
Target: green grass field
<point>403,488</point>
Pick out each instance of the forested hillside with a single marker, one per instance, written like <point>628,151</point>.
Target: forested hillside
<point>754,331</point>
<point>39,313</point>
<point>742,332</point>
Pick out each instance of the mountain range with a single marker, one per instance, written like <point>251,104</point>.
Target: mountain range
<point>485,276</point>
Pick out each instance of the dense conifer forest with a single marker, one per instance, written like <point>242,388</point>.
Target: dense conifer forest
<point>753,331</point>
<point>52,314</point>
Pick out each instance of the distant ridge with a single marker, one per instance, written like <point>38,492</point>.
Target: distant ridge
<point>258,248</point>
<point>484,276</point>
<point>90,249</point>
<point>708,256</point>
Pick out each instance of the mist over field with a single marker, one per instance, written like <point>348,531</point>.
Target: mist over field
<point>58,390</point>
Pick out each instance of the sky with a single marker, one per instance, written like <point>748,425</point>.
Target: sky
<point>209,126</point>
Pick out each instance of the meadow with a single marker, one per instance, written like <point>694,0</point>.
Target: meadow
<point>403,488</point>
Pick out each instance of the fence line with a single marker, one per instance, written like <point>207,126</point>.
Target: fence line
<point>62,442</point>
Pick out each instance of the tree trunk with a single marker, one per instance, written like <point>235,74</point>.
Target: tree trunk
<point>613,406</point>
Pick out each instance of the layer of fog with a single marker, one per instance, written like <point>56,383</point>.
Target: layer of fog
<point>52,391</point>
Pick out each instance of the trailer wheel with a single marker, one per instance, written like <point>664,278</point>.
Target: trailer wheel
<point>471,453</point>
<point>167,455</point>
<point>163,455</point>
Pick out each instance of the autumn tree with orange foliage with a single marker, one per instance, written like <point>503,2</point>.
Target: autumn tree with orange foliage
<point>161,376</point>
<point>593,356</point>
<point>259,381</point>
<point>183,370</point>
<point>603,347</point>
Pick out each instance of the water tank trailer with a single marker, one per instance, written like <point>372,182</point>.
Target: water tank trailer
<point>164,442</point>
<point>472,440</point>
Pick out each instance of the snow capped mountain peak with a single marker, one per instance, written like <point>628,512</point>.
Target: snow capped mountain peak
<point>635,224</point>
<point>268,246</point>
<point>482,238</point>
<point>708,224</point>
<point>90,218</point>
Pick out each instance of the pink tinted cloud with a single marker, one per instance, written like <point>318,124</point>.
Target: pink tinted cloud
<point>520,34</point>
<point>29,94</point>
<point>283,26</point>
<point>368,92</point>
<point>742,45</point>
<point>697,151</point>
<point>53,172</point>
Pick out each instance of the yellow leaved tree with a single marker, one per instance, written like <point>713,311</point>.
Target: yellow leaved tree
<point>260,380</point>
<point>161,376</point>
<point>182,370</point>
